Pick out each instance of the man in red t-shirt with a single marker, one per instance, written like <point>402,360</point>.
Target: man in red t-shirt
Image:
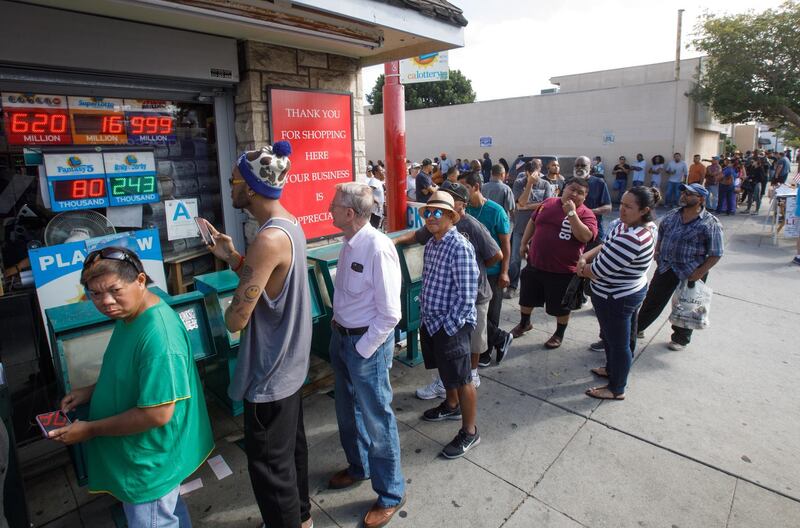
<point>554,240</point>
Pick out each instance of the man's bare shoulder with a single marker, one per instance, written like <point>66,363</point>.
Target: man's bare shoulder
<point>271,243</point>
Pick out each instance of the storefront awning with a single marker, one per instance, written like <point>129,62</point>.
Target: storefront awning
<point>375,31</point>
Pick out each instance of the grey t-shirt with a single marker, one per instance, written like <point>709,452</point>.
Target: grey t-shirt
<point>481,240</point>
<point>539,193</point>
<point>499,193</point>
<point>276,343</point>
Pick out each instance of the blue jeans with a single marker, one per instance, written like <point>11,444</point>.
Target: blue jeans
<point>617,318</point>
<point>619,187</point>
<point>727,200</point>
<point>167,512</point>
<point>713,197</point>
<point>515,264</point>
<point>367,426</point>
<point>673,193</point>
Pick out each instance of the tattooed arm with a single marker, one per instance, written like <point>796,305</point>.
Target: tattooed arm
<point>267,258</point>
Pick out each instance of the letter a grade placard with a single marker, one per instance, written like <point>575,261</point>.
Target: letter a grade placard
<point>319,126</point>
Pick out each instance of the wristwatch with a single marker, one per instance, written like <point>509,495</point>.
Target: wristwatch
<point>571,214</point>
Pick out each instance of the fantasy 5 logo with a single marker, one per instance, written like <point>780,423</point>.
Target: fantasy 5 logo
<point>74,161</point>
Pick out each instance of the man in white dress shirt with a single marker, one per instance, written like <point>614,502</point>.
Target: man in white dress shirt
<point>366,308</point>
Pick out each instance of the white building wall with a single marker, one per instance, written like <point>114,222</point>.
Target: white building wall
<point>652,118</point>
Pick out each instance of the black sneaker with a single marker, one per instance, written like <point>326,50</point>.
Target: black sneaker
<point>485,359</point>
<point>462,443</point>
<point>503,349</point>
<point>442,412</point>
<point>597,346</point>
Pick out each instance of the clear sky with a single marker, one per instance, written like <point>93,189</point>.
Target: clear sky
<point>513,47</point>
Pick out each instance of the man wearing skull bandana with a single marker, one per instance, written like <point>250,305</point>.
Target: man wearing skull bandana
<point>271,308</point>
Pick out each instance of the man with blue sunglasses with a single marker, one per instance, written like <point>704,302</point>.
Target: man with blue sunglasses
<point>447,302</point>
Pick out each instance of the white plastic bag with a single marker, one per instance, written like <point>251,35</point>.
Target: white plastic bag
<point>691,306</point>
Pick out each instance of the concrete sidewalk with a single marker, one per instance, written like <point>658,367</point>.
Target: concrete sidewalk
<point>707,437</point>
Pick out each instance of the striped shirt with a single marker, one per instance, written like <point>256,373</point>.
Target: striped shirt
<point>621,266</point>
<point>449,284</point>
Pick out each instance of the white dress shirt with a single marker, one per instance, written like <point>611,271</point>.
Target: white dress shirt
<point>367,287</point>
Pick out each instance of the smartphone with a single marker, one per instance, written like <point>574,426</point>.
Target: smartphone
<point>51,421</point>
<point>205,234</point>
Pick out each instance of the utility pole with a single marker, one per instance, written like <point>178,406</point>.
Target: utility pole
<point>677,78</point>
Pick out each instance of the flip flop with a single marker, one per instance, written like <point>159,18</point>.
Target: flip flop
<point>599,371</point>
<point>602,393</point>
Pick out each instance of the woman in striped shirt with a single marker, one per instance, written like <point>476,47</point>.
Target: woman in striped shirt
<point>618,270</point>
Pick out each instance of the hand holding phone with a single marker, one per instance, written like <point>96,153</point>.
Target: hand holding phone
<point>51,421</point>
<point>205,234</point>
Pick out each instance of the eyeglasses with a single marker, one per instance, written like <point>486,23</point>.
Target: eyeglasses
<point>436,213</point>
<point>112,253</point>
<point>581,165</point>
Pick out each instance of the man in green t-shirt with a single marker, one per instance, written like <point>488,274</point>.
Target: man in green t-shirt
<point>148,427</point>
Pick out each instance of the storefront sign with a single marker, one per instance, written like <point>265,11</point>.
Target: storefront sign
<point>792,228</point>
<point>150,122</point>
<point>180,218</point>
<point>76,181</point>
<point>97,121</point>
<point>57,269</point>
<point>35,119</point>
<point>485,141</point>
<point>131,177</point>
<point>425,68</point>
<point>319,126</point>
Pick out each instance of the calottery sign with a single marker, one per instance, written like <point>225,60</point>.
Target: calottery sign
<point>319,126</point>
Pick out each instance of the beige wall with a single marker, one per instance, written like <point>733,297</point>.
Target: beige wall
<point>745,137</point>
<point>642,107</point>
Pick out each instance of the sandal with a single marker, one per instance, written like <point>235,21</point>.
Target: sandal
<point>553,342</point>
<point>599,371</point>
<point>603,393</point>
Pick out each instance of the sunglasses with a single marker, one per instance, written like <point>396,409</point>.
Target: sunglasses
<point>233,181</point>
<point>111,253</point>
<point>436,213</point>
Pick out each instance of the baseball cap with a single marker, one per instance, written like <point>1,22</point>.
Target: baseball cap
<point>415,165</point>
<point>458,192</point>
<point>265,170</point>
<point>695,188</point>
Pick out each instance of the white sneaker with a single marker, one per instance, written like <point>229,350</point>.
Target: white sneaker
<point>675,346</point>
<point>476,380</point>
<point>434,390</point>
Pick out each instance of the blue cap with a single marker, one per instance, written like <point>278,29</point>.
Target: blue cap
<point>695,188</point>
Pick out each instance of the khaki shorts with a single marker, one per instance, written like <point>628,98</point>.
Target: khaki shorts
<point>479,342</point>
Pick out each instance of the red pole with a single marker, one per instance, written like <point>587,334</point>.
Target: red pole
<point>394,135</point>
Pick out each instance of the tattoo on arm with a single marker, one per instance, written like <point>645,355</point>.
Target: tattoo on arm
<point>246,273</point>
<point>236,300</point>
<point>251,293</point>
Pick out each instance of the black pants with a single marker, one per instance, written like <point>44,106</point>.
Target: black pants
<point>658,296</point>
<point>495,336</point>
<point>277,459</point>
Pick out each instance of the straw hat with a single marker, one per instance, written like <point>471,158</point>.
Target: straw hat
<point>440,200</point>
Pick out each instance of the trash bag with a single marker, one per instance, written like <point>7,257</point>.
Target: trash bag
<point>691,305</point>
<point>575,296</point>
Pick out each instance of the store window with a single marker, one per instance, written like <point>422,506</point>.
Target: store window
<point>122,158</point>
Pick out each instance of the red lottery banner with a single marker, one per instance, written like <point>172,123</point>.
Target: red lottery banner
<point>319,126</point>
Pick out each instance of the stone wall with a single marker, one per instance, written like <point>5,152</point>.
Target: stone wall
<point>264,65</point>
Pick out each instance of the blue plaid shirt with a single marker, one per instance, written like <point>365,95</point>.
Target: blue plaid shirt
<point>684,247</point>
<point>449,284</point>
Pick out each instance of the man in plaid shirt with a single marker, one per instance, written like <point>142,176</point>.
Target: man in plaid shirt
<point>449,289</point>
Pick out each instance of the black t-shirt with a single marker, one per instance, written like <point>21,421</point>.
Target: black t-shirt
<point>621,171</point>
<point>756,174</point>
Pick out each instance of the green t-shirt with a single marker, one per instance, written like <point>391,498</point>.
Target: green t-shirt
<point>148,362</point>
<point>494,217</point>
